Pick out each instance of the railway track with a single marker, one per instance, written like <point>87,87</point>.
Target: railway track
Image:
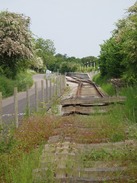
<point>85,96</point>
<point>61,159</point>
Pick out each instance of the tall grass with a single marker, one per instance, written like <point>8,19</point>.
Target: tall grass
<point>6,86</point>
<point>21,81</point>
<point>104,84</point>
<point>21,151</point>
<point>130,109</point>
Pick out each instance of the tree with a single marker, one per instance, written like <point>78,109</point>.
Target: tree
<point>45,50</point>
<point>15,42</point>
<point>110,59</point>
<point>89,61</point>
<point>118,56</point>
<point>126,35</point>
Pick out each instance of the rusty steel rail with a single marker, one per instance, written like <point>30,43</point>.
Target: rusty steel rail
<point>81,81</point>
<point>87,97</point>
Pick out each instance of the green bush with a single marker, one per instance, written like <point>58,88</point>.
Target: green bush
<point>23,79</point>
<point>6,86</point>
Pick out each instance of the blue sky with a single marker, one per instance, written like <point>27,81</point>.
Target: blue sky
<point>77,27</point>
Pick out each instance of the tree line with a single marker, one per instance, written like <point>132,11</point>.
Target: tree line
<point>20,49</point>
<point>118,55</point>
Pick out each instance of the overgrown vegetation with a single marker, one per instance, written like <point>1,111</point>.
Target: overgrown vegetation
<point>21,81</point>
<point>118,56</point>
<point>20,150</point>
<point>104,84</point>
<point>130,109</point>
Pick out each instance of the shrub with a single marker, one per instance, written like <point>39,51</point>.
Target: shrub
<point>23,79</point>
<point>6,86</point>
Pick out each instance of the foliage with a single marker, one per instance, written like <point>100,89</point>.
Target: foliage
<point>15,42</point>
<point>34,131</point>
<point>104,84</point>
<point>21,81</point>
<point>36,63</point>
<point>131,103</point>
<point>110,59</point>
<point>45,50</point>
<point>89,61</point>
<point>6,86</point>
<point>118,56</point>
<point>64,63</point>
<point>21,150</point>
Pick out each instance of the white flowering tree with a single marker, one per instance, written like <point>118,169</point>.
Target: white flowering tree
<point>16,47</point>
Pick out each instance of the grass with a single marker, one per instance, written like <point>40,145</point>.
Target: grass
<point>21,149</point>
<point>21,81</point>
<point>104,84</point>
<point>92,129</point>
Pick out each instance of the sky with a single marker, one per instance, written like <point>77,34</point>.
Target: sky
<point>77,27</point>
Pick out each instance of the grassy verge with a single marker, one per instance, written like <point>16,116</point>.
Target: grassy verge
<point>104,84</point>
<point>20,150</point>
<point>21,80</point>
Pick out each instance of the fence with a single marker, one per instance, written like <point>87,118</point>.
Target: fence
<point>40,96</point>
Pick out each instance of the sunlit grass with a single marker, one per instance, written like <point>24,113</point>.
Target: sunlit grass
<point>21,151</point>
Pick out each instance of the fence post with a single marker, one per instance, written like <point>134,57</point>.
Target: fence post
<point>28,101</point>
<point>47,91</point>
<point>64,81</point>
<point>56,86</point>
<point>60,79</point>
<point>1,109</point>
<point>42,92</point>
<point>36,96</point>
<point>16,106</point>
<point>50,89</point>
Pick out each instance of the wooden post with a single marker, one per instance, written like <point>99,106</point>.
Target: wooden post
<point>28,101</point>
<point>64,81</point>
<point>1,109</point>
<point>16,107</point>
<point>53,89</point>
<point>60,79</point>
<point>36,96</point>
<point>47,91</point>
<point>56,87</point>
<point>42,92</point>
<point>59,85</point>
<point>50,89</point>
